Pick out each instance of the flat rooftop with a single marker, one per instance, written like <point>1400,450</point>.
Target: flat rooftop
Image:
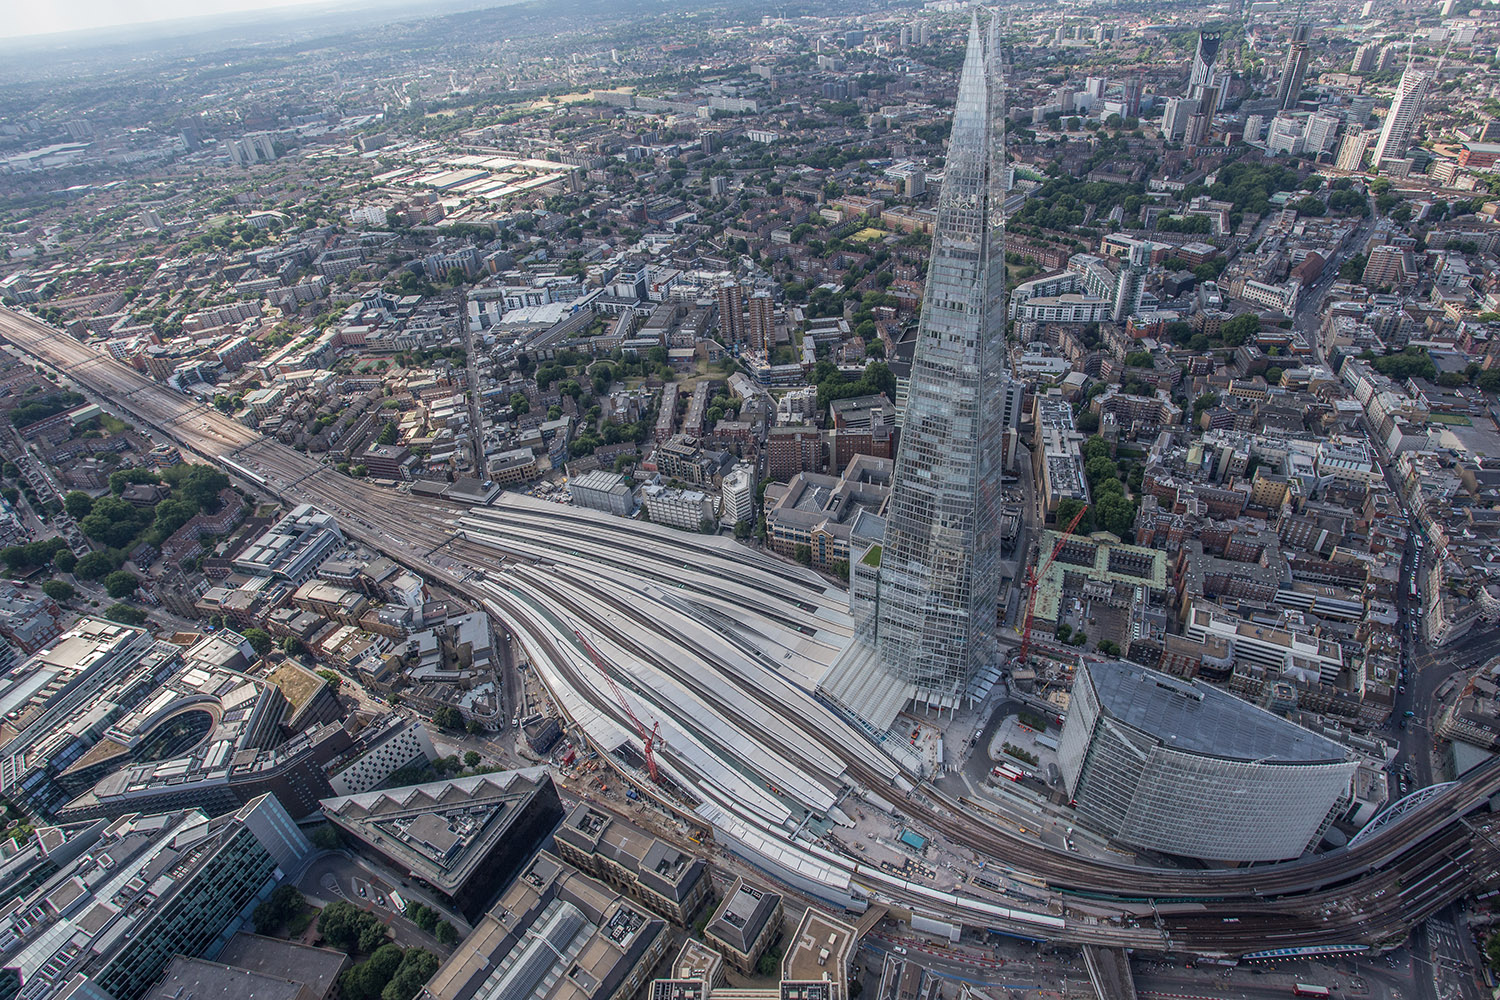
<point>1197,718</point>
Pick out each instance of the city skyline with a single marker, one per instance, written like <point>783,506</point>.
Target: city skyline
<point>406,410</point>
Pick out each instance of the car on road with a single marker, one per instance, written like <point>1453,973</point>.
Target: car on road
<point>362,893</point>
<point>379,899</point>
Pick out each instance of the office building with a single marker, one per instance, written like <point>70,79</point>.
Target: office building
<point>747,922</point>
<point>465,837</point>
<point>689,510</point>
<point>602,490</point>
<point>650,871</point>
<point>315,969</point>
<point>1181,767</point>
<point>270,969</point>
<point>58,703</point>
<point>737,496</point>
<point>293,547</point>
<point>817,965</point>
<point>940,577</point>
<point>147,887</point>
<point>380,750</point>
<point>1403,118</point>
<point>556,934</point>
<point>820,514</point>
<point>1289,88</point>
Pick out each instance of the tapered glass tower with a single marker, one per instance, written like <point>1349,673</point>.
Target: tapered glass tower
<point>940,567</point>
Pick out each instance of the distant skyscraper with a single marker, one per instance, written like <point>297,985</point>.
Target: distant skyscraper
<point>1353,148</point>
<point>1174,119</point>
<point>1321,128</point>
<point>1132,97</point>
<point>1402,120</point>
<point>1132,281</point>
<point>762,328</point>
<point>939,575</point>
<point>1364,58</point>
<point>732,312</point>
<point>1203,63</point>
<point>1294,69</point>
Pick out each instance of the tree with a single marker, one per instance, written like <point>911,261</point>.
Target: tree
<point>472,759</point>
<point>388,433</point>
<point>519,403</point>
<point>125,614</point>
<point>293,646</point>
<point>1240,329</point>
<point>446,933</point>
<point>342,924</point>
<point>366,980</point>
<point>58,590</point>
<point>114,522</point>
<point>284,903</point>
<point>1273,375</point>
<point>417,967</point>
<point>1113,512</point>
<point>448,717</point>
<point>171,514</point>
<point>121,583</point>
<point>327,837</point>
<point>78,504</point>
<point>259,639</point>
<point>1492,951</point>
<point>1488,381</point>
<point>1067,509</point>
<point>1087,422</point>
<point>423,916</point>
<point>65,560</point>
<point>803,554</point>
<point>94,566</point>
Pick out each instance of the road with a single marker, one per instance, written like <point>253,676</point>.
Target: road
<point>1372,894</point>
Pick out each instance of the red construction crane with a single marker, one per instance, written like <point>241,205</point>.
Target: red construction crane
<point>1039,569</point>
<point>648,739</point>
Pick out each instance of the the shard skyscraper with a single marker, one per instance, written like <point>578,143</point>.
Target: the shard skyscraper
<point>939,573</point>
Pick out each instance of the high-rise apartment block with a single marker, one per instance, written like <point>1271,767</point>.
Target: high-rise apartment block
<point>761,332</point>
<point>1289,89</point>
<point>732,312</point>
<point>1352,149</point>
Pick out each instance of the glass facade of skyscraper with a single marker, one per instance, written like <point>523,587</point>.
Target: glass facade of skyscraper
<point>940,570</point>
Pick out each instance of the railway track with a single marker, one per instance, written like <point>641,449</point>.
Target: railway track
<point>1369,893</point>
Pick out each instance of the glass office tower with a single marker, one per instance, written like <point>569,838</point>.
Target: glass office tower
<point>940,565</point>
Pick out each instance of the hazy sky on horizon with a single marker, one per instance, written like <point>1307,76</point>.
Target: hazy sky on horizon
<point>50,16</point>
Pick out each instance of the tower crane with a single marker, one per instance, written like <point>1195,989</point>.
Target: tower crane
<point>1038,570</point>
<point>650,738</point>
